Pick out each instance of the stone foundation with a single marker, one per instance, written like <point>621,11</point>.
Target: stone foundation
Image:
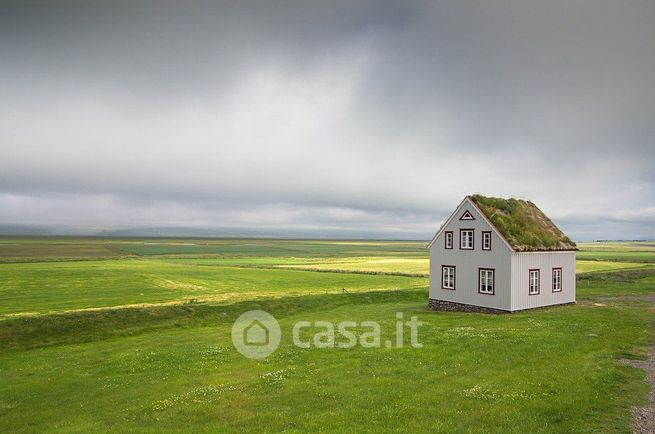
<point>451,306</point>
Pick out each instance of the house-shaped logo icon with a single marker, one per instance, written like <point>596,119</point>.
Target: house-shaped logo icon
<point>256,333</point>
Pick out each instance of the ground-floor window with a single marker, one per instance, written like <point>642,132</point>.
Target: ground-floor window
<point>534,282</point>
<point>486,281</point>
<point>557,279</point>
<point>448,277</point>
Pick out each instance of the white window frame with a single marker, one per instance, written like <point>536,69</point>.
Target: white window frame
<point>470,246</point>
<point>534,281</point>
<point>448,277</point>
<point>486,240</point>
<point>448,243</point>
<point>485,275</point>
<point>557,279</point>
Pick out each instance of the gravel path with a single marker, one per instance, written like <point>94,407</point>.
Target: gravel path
<point>643,418</point>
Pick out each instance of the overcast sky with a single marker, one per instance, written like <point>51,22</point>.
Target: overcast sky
<point>347,117</point>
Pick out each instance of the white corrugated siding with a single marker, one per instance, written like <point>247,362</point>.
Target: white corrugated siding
<point>545,262</point>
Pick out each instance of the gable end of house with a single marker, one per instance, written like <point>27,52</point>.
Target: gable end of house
<point>463,212</point>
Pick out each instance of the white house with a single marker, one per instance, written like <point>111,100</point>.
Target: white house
<point>495,254</point>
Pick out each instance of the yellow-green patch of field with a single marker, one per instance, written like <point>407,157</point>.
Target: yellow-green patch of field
<point>416,266</point>
<point>421,266</point>
<point>49,287</point>
<point>618,246</point>
<point>584,266</point>
<point>395,265</point>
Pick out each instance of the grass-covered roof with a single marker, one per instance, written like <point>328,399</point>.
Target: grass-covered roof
<point>522,224</point>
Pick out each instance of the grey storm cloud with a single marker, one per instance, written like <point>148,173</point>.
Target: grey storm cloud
<point>371,117</point>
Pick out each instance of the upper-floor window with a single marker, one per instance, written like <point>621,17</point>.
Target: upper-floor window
<point>466,239</point>
<point>486,281</point>
<point>557,279</point>
<point>534,282</point>
<point>486,240</point>
<point>448,277</point>
<point>448,240</point>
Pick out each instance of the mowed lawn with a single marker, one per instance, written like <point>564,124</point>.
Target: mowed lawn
<point>158,356</point>
<point>548,370</point>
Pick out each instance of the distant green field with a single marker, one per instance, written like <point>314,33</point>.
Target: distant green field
<point>618,251</point>
<point>619,246</point>
<point>277,252</point>
<point>587,266</point>
<point>58,286</point>
<point>29,249</point>
<point>14,248</point>
<point>275,248</point>
<point>125,335</point>
<point>376,264</point>
<point>647,257</point>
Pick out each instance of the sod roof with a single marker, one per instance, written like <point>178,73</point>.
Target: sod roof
<point>522,224</point>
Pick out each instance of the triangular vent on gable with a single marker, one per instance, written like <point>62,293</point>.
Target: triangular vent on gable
<point>467,216</point>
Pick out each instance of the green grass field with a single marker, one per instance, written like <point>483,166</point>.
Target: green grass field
<point>618,252</point>
<point>50,287</point>
<point>127,335</point>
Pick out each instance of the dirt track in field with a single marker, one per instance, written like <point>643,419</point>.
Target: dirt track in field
<point>643,418</point>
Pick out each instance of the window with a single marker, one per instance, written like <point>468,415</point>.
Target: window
<point>557,279</point>
<point>486,240</point>
<point>486,281</point>
<point>448,240</point>
<point>534,282</point>
<point>466,239</point>
<point>448,277</point>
